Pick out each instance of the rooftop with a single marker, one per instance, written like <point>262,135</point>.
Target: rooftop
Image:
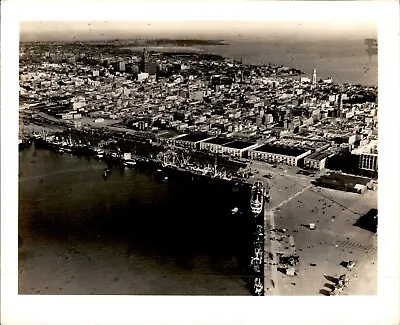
<point>319,155</point>
<point>194,137</point>
<point>218,140</point>
<point>370,148</point>
<point>282,150</point>
<point>168,134</point>
<point>239,144</point>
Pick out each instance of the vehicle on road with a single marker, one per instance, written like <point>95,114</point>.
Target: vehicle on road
<point>350,265</point>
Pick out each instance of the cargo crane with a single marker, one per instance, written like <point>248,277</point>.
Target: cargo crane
<point>105,143</point>
<point>171,158</point>
<point>44,134</point>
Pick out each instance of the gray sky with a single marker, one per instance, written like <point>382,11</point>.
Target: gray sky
<point>86,30</point>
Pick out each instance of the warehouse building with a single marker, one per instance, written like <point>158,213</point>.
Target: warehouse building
<point>214,144</point>
<point>191,141</point>
<point>316,161</point>
<point>279,154</point>
<point>237,148</point>
<point>227,146</point>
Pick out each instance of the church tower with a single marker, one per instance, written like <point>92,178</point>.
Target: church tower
<point>314,78</point>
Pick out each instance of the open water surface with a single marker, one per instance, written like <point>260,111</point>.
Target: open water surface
<point>128,234</point>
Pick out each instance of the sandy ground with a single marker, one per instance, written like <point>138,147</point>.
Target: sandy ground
<point>295,202</point>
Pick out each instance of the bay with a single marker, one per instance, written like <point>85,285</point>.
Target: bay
<point>127,234</point>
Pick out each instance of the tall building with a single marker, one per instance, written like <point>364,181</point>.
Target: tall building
<point>340,103</point>
<point>121,66</point>
<point>314,78</point>
<point>144,65</point>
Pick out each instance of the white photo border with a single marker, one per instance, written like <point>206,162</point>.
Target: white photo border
<point>43,310</point>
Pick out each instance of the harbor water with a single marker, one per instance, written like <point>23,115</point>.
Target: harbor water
<point>344,60</point>
<point>128,233</point>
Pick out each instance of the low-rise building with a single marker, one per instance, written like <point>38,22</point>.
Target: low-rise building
<point>142,76</point>
<point>191,141</point>
<point>214,144</point>
<point>279,154</point>
<point>368,156</point>
<point>316,160</point>
<point>237,148</point>
<point>227,146</point>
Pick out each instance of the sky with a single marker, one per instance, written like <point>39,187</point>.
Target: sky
<point>95,30</point>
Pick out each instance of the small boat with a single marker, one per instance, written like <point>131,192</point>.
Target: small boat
<point>107,171</point>
<point>165,179</point>
<point>129,163</point>
<point>99,153</point>
<point>235,210</point>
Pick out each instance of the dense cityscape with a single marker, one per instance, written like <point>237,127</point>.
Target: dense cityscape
<point>168,97</point>
<point>269,129</point>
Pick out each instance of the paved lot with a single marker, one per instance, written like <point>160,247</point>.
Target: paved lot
<point>296,203</point>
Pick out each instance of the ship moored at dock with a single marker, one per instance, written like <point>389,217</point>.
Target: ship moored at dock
<point>257,198</point>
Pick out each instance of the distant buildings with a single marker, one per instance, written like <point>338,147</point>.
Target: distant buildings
<point>121,66</point>
<point>142,76</point>
<point>305,80</point>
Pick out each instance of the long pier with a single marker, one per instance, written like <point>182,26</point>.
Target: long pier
<point>270,258</point>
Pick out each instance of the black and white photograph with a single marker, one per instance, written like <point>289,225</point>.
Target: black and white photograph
<point>158,162</point>
<point>197,157</point>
